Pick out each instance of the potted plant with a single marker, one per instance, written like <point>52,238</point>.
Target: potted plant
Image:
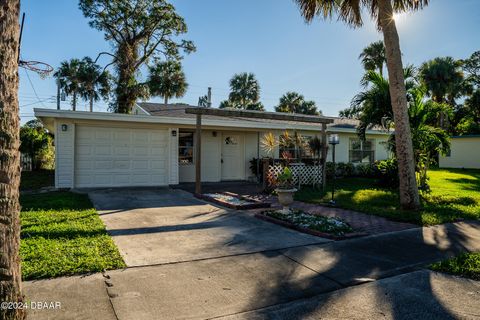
<point>285,188</point>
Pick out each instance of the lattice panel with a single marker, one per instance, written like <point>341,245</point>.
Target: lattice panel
<point>302,174</point>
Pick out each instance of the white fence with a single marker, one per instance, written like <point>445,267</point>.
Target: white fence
<point>302,174</point>
<point>26,162</point>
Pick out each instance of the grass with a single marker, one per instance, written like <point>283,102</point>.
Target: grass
<point>33,180</point>
<point>465,265</point>
<point>62,235</point>
<point>455,195</point>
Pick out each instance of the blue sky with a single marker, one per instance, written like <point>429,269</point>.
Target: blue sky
<point>266,37</point>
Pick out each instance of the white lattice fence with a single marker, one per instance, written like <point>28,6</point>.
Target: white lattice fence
<point>302,174</point>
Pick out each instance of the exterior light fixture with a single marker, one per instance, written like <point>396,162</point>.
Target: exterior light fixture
<point>333,140</point>
<point>214,133</point>
<point>64,127</point>
<point>174,133</point>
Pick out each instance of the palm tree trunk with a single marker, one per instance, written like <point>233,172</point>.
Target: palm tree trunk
<point>409,197</point>
<point>74,102</point>
<point>10,275</point>
<point>91,103</point>
<point>165,100</point>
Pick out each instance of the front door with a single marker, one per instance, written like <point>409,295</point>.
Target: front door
<point>232,157</point>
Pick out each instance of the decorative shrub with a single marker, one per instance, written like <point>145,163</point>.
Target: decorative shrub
<point>386,171</point>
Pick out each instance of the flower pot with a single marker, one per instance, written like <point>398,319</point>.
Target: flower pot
<point>285,197</point>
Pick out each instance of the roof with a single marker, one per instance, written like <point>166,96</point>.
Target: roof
<point>174,115</point>
<point>178,110</point>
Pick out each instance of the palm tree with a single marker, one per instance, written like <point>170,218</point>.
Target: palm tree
<point>167,80</point>
<point>373,57</point>
<point>244,90</point>
<point>350,11</point>
<point>94,83</point>
<point>10,275</point>
<point>68,77</point>
<point>441,76</point>
<point>428,140</point>
<point>373,107</point>
<point>293,102</point>
<point>444,81</point>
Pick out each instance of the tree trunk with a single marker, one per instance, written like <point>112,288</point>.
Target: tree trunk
<point>74,102</point>
<point>409,197</point>
<point>10,275</point>
<point>166,100</point>
<point>126,90</point>
<point>91,103</point>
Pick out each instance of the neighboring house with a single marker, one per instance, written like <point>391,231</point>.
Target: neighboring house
<point>155,146</point>
<point>464,153</point>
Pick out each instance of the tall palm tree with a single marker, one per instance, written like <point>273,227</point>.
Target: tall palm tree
<point>293,102</point>
<point>373,57</point>
<point>167,80</point>
<point>68,77</point>
<point>441,76</point>
<point>244,90</point>
<point>382,11</point>
<point>94,83</point>
<point>444,81</point>
<point>10,275</point>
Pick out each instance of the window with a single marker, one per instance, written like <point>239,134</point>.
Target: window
<point>288,147</point>
<point>361,151</point>
<point>185,147</point>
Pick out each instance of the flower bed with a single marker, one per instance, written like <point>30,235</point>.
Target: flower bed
<point>233,201</point>
<point>327,227</point>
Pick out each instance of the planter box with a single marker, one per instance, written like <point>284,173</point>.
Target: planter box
<point>253,204</point>
<point>290,225</point>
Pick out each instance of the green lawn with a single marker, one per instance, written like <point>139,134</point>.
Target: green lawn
<point>62,234</point>
<point>32,180</point>
<point>455,195</point>
<point>466,265</point>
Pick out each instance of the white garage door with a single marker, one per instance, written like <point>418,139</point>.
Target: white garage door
<point>115,157</point>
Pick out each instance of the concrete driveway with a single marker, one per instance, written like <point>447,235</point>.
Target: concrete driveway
<point>156,226</point>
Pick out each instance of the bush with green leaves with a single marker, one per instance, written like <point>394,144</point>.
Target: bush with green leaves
<point>37,143</point>
<point>386,171</point>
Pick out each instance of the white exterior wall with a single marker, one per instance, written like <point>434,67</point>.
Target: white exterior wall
<point>64,154</point>
<point>173,156</point>
<point>342,149</point>
<point>465,153</point>
<point>211,157</point>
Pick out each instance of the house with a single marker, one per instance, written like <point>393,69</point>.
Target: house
<point>155,145</point>
<point>464,153</point>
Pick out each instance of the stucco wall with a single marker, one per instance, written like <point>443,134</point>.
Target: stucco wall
<point>465,153</point>
<point>211,157</point>
<point>64,154</point>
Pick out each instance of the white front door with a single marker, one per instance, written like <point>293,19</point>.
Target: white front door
<point>232,157</point>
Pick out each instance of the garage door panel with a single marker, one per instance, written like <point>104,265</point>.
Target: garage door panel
<point>158,151</point>
<point>107,157</point>
<point>122,150</point>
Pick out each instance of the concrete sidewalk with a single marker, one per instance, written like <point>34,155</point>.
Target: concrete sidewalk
<point>424,295</point>
<point>252,282</point>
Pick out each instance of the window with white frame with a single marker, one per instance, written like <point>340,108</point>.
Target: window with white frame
<point>185,147</point>
<point>361,151</point>
<point>291,149</point>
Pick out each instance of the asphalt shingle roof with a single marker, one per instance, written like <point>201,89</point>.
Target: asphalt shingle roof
<point>178,111</point>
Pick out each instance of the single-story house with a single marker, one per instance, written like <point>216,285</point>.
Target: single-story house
<point>464,153</point>
<point>155,145</point>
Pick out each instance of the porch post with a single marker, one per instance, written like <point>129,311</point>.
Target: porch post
<point>198,155</point>
<point>324,155</point>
